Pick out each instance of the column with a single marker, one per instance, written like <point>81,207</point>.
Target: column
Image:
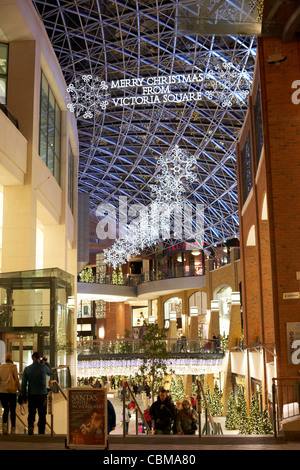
<point>193,333</point>
<point>172,333</point>
<point>235,331</point>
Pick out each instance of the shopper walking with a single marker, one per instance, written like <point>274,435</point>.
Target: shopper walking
<point>177,409</point>
<point>194,401</point>
<point>163,413</point>
<point>127,418</point>
<point>186,419</point>
<point>9,385</point>
<point>34,390</point>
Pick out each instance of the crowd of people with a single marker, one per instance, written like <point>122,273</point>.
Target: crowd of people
<point>163,416</point>
<point>168,418</point>
<point>33,391</point>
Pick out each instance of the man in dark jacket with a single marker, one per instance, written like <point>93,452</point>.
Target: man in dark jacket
<point>163,413</point>
<point>34,390</point>
<point>111,417</point>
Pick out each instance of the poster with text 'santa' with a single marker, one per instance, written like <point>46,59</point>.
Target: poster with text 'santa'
<point>87,417</point>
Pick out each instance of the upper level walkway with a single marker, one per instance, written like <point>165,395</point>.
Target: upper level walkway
<point>120,348</point>
<point>142,290</point>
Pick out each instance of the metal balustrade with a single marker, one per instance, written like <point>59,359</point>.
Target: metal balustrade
<point>286,401</point>
<point>133,347</point>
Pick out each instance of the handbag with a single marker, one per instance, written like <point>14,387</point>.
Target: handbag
<point>20,399</point>
<point>21,402</point>
<point>194,426</point>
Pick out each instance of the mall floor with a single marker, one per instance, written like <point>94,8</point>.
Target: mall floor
<point>149,444</point>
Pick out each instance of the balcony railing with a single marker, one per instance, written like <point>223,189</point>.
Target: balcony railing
<point>133,280</point>
<point>133,347</point>
<point>286,401</point>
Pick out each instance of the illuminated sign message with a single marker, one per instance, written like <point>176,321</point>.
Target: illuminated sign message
<point>157,89</point>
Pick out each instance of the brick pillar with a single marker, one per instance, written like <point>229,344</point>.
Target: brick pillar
<point>234,336</point>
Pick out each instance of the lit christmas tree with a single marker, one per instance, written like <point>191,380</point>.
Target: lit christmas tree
<point>194,388</point>
<point>173,389</point>
<point>89,274</point>
<point>255,417</point>
<point>86,275</point>
<point>180,389</point>
<point>231,415</point>
<point>177,390</point>
<point>266,426</point>
<point>83,275</point>
<point>216,405</point>
<point>114,277</point>
<point>120,277</point>
<point>208,397</point>
<point>242,412</point>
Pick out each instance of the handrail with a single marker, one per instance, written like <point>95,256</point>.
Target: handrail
<point>50,402</point>
<point>138,410</point>
<point>125,346</point>
<point>285,394</point>
<point>52,382</point>
<point>199,392</point>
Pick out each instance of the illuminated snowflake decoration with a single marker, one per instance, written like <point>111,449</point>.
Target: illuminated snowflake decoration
<point>89,96</point>
<point>175,171</point>
<point>227,84</point>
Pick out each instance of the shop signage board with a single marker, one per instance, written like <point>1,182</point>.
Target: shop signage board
<point>87,417</point>
<point>293,342</point>
<point>291,295</point>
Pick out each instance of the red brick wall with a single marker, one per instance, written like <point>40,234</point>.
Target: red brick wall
<point>283,170</point>
<point>269,268</point>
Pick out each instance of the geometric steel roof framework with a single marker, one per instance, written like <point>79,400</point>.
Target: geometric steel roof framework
<point>119,148</point>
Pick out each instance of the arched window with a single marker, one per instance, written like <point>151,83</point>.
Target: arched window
<point>223,295</point>
<point>251,239</point>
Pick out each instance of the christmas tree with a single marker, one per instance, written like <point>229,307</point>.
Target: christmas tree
<point>173,389</point>
<point>242,412</point>
<point>120,277</point>
<point>194,388</point>
<point>231,415</point>
<point>180,389</point>
<point>177,390</point>
<point>83,276</point>
<point>208,397</point>
<point>255,417</point>
<point>86,275</point>
<point>89,274</point>
<point>216,405</point>
<point>266,426</point>
<point>114,277</point>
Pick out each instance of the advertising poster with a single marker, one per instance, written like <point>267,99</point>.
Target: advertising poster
<point>293,336</point>
<point>87,417</point>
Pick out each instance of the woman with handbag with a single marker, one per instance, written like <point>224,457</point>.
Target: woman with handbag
<point>186,419</point>
<point>9,385</point>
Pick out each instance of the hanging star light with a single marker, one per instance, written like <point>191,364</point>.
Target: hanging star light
<point>175,171</point>
<point>89,96</point>
<point>228,84</point>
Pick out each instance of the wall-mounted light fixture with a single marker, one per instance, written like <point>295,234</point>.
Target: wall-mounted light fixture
<point>101,332</point>
<point>214,305</point>
<point>194,311</point>
<point>235,298</point>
